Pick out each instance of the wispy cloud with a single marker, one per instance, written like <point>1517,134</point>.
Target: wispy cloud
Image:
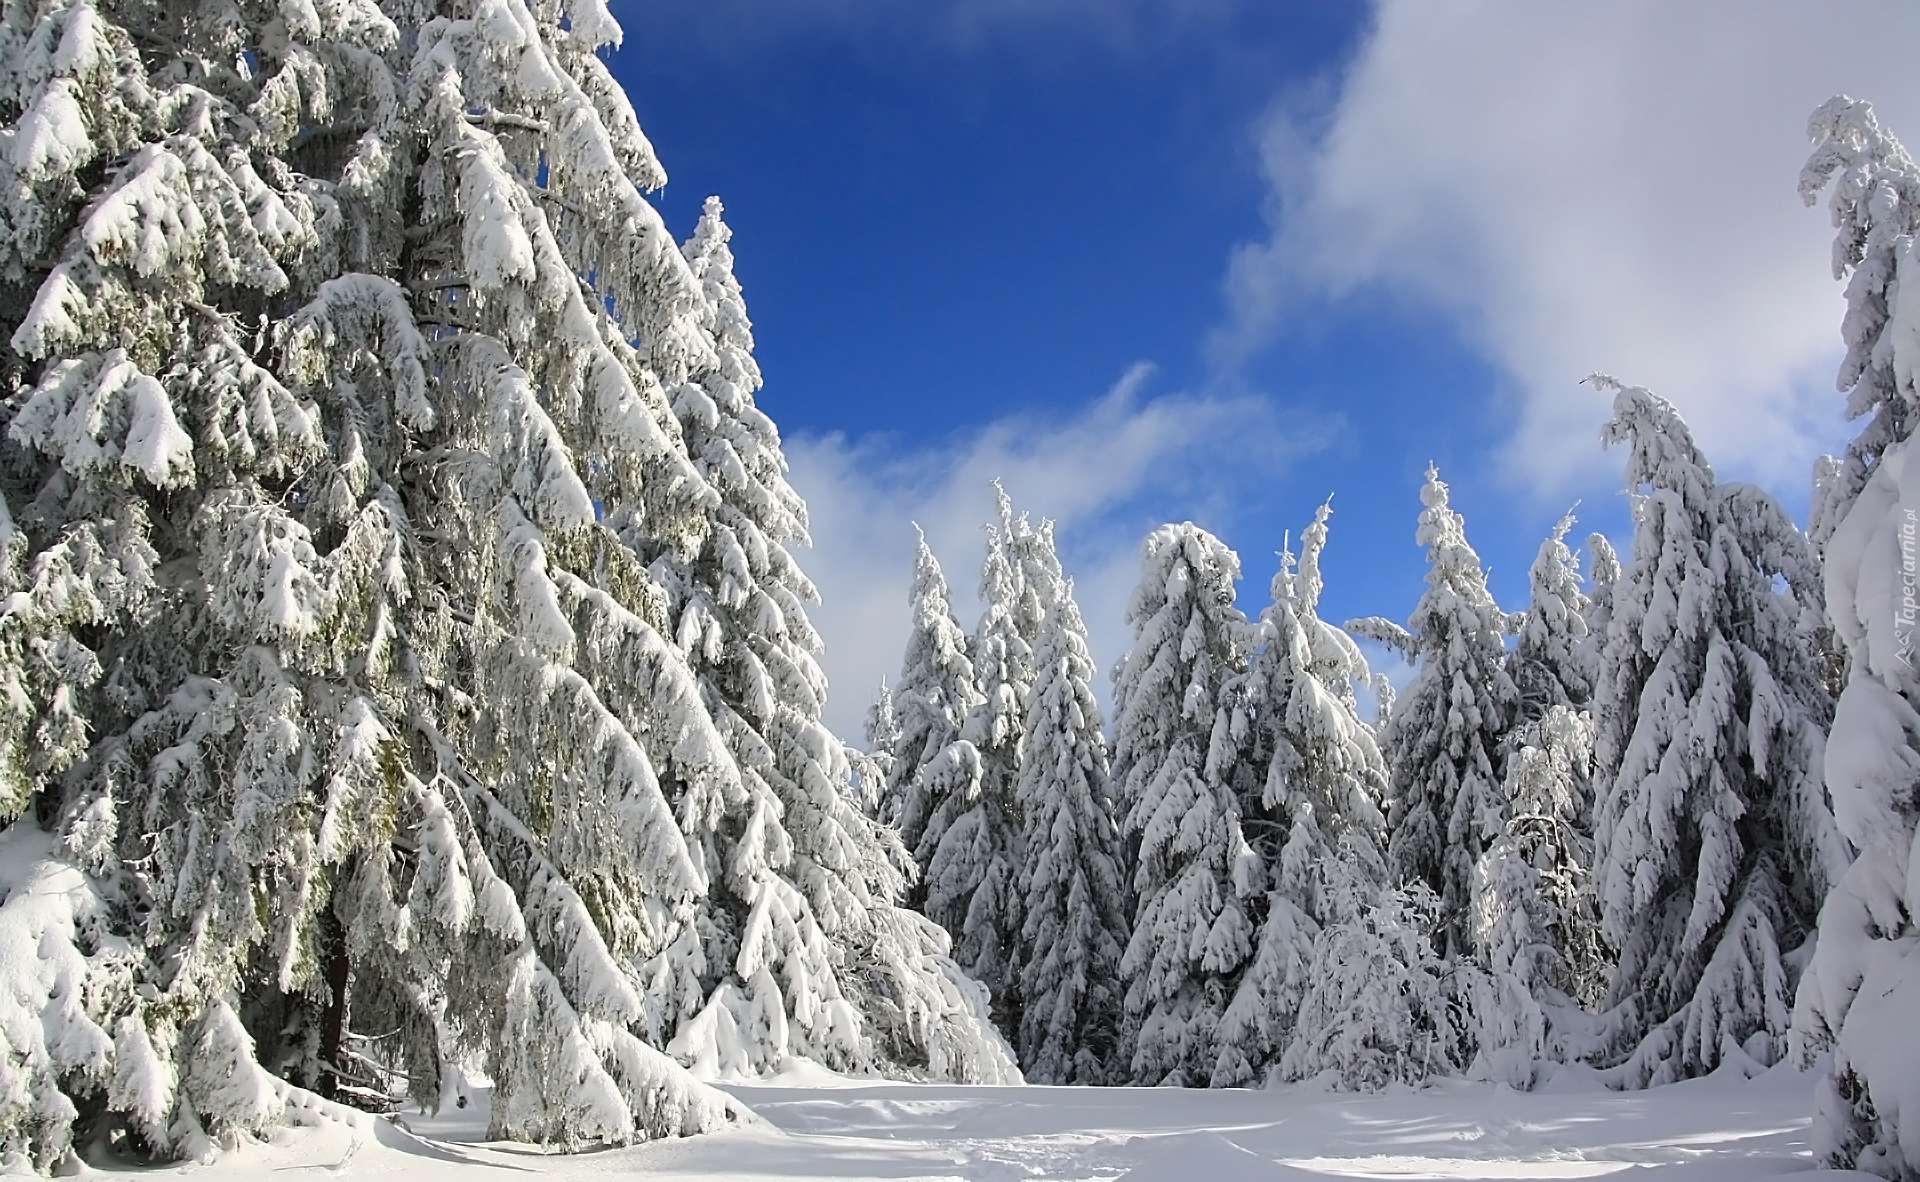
<point>1105,474</point>
<point>1581,187</point>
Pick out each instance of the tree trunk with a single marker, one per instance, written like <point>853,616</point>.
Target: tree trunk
<point>336,970</point>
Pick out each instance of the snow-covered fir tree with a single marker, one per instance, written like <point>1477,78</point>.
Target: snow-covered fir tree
<point>801,945</point>
<point>1536,924</point>
<point>1316,822</point>
<point>1714,840</point>
<point>1194,871</point>
<point>1536,929</point>
<point>1379,1008</point>
<point>1874,202</point>
<point>303,383</point>
<point>971,849</point>
<point>1552,662</point>
<point>1603,571</point>
<point>336,415</point>
<point>1444,739</point>
<point>1863,986</point>
<point>932,762</point>
<point>882,730</point>
<point>1073,880</point>
<point>1034,566</point>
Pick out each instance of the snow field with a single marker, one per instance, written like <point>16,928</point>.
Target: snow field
<point>817,1126</point>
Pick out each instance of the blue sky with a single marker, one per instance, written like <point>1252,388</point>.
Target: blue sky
<point>1147,260</point>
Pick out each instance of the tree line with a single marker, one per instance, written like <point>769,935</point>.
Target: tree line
<point>1658,822</point>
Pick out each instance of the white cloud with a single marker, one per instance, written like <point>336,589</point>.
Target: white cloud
<point>1105,474</point>
<point>1600,186</point>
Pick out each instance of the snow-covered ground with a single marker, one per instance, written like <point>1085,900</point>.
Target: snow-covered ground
<point>1723,1128</point>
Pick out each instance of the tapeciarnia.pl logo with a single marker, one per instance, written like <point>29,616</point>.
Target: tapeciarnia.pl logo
<point>1904,614</point>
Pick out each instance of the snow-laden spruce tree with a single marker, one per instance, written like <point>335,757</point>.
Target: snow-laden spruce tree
<point>1875,207</point>
<point>1536,925</point>
<point>1316,823</point>
<point>932,762</point>
<point>306,384</point>
<point>1603,571</point>
<point>1034,563</point>
<point>882,730</point>
<point>1194,871</point>
<point>1714,841</point>
<point>803,951</point>
<point>1073,878</point>
<point>1444,740</point>
<point>1535,928</point>
<point>971,849</point>
<point>1380,1006</point>
<point>1552,663</point>
<point>1862,989</point>
<point>335,334</point>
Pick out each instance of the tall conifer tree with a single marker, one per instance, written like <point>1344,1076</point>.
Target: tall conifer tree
<point>1194,870</point>
<point>801,949</point>
<point>1603,571</point>
<point>1715,843</point>
<point>932,762</point>
<point>1444,739</point>
<point>1535,925</point>
<point>1863,985</point>
<point>1317,817</point>
<point>316,369</point>
<point>337,433</point>
<point>1073,879</point>
<point>882,730</point>
<point>1552,661</point>
<point>973,865</point>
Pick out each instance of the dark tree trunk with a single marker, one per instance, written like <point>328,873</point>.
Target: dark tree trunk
<point>335,971</point>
